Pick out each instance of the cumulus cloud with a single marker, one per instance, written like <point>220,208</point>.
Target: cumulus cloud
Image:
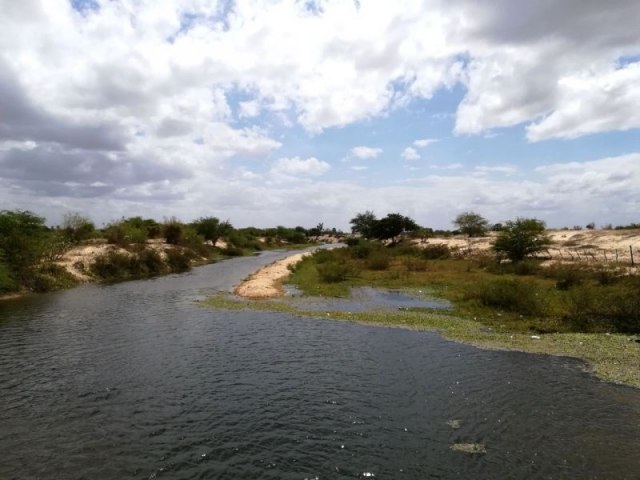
<point>365,153</point>
<point>424,142</point>
<point>139,101</point>
<point>410,154</point>
<point>300,167</point>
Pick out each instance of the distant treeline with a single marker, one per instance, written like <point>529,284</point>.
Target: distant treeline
<point>30,250</point>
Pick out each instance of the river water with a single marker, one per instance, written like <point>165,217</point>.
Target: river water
<point>135,380</point>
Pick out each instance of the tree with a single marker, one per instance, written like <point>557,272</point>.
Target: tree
<point>212,229</point>
<point>471,224</point>
<point>393,225</point>
<point>76,228</point>
<point>522,237</point>
<point>363,223</point>
<point>23,242</point>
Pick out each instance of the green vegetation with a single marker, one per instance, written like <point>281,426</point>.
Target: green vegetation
<point>471,224</point>
<point>520,238</point>
<point>30,251</point>
<point>27,250</point>
<point>390,227</point>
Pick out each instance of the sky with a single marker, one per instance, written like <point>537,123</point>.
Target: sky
<point>285,112</point>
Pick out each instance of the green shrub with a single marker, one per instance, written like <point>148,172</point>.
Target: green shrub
<point>232,251</point>
<point>333,272</point>
<point>604,309</point>
<point>151,263</point>
<point>526,267</point>
<point>364,248</point>
<point>413,264</point>
<point>508,294</point>
<point>438,251</point>
<point>50,277</point>
<point>178,260</point>
<point>123,234</point>
<point>378,260</point>
<point>111,266</point>
<point>324,256</point>
<point>566,275</point>
<point>7,284</point>
<point>173,233</point>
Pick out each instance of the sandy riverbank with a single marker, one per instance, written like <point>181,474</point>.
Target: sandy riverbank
<point>267,282</point>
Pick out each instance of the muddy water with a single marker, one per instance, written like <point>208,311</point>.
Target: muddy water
<point>137,381</point>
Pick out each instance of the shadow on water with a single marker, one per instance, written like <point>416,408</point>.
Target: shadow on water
<point>136,381</point>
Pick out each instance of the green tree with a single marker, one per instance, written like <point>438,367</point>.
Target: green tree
<point>212,228</point>
<point>392,226</point>
<point>76,228</point>
<point>522,237</point>
<point>23,243</point>
<point>471,224</point>
<point>363,223</point>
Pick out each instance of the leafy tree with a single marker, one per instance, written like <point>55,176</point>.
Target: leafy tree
<point>76,228</point>
<point>23,242</point>
<point>471,224</point>
<point>521,237</point>
<point>391,226</point>
<point>363,223</point>
<point>212,228</point>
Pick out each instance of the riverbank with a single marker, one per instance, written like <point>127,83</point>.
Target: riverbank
<point>611,357</point>
<point>267,282</point>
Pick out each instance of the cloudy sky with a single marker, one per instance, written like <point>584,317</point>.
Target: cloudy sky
<point>288,112</point>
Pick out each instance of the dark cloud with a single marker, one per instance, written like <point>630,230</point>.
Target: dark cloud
<point>592,23</point>
<point>22,120</point>
<point>53,171</point>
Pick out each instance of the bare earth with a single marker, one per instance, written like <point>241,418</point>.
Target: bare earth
<point>603,246</point>
<point>266,282</point>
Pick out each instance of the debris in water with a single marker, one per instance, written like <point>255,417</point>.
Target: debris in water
<point>468,447</point>
<point>454,423</point>
<point>535,337</point>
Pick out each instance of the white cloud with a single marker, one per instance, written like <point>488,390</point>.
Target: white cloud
<point>299,167</point>
<point>501,169</point>
<point>359,168</point>
<point>410,154</point>
<point>365,153</point>
<point>249,109</point>
<point>424,142</point>
<point>125,104</point>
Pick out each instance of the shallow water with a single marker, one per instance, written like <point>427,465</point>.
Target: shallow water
<point>135,380</point>
<point>363,299</point>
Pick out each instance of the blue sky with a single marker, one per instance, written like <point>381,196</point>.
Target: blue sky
<point>290,112</point>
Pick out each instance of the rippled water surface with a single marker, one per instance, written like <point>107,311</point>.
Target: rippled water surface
<point>137,381</point>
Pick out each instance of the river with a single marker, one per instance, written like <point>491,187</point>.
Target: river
<point>136,380</point>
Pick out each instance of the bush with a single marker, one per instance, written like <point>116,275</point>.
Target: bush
<point>526,267</point>
<point>438,251</point>
<point>173,233</point>
<point>604,309</point>
<point>7,284</point>
<point>123,234</point>
<point>413,264</point>
<point>378,260</point>
<point>232,251</point>
<point>509,294</point>
<point>566,275</point>
<point>178,260</point>
<point>334,272</point>
<point>112,266</point>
